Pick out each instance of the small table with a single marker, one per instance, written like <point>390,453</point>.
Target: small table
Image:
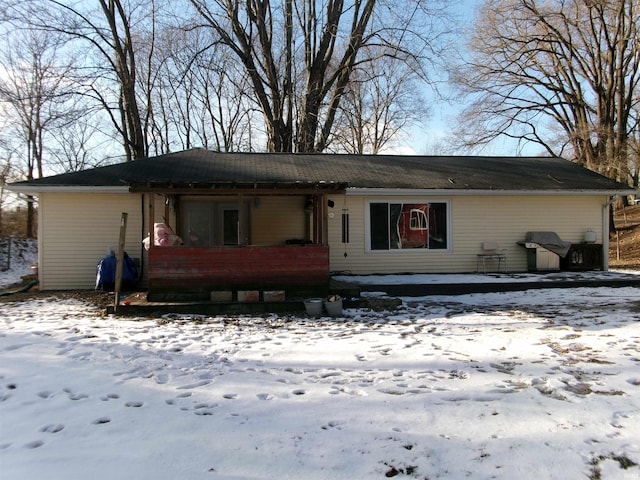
<point>499,257</point>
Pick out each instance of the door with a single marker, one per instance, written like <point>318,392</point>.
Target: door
<point>230,226</point>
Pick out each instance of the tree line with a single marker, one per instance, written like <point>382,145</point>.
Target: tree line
<point>89,82</point>
<point>564,75</point>
<point>228,75</point>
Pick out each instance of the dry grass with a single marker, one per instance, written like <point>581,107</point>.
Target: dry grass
<point>624,246</point>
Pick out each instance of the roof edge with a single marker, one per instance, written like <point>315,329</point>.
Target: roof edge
<point>35,189</point>
<point>355,191</point>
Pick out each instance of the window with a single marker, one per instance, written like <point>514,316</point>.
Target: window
<point>402,226</point>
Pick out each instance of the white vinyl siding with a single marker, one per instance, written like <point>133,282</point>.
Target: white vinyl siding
<point>275,219</point>
<point>474,219</point>
<point>76,229</point>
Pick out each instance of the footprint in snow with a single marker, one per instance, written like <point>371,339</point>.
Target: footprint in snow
<point>348,391</point>
<point>77,396</point>
<point>297,371</point>
<point>101,421</point>
<point>332,424</point>
<point>230,396</point>
<point>134,404</point>
<point>162,378</point>
<point>34,444</point>
<point>195,385</point>
<point>53,428</point>
<point>203,413</point>
<point>16,346</point>
<point>265,396</point>
<point>110,396</point>
<point>299,392</point>
<point>172,401</point>
<point>204,409</point>
<point>392,391</point>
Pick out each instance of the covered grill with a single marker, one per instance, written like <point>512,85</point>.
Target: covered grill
<point>544,250</point>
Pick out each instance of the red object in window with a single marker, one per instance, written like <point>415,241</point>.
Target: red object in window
<point>413,226</point>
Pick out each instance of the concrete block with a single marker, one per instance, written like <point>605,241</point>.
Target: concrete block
<point>223,296</point>
<point>248,296</point>
<point>273,295</point>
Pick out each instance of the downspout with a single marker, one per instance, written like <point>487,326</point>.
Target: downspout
<point>605,232</point>
<point>142,235</point>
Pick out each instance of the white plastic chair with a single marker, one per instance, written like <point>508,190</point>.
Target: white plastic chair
<point>491,253</point>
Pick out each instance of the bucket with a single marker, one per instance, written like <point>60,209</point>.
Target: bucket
<point>590,236</point>
<point>333,305</point>
<point>313,306</point>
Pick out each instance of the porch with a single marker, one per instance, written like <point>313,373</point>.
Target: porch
<point>238,242</point>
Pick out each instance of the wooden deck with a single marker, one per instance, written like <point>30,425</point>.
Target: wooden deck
<point>138,303</point>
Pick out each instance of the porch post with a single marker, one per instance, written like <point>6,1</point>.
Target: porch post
<point>320,220</point>
<point>151,218</point>
<point>317,219</point>
<point>325,220</point>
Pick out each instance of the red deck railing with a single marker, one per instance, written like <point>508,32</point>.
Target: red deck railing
<point>186,269</point>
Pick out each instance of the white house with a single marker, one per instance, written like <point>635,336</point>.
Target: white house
<point>277,220</point>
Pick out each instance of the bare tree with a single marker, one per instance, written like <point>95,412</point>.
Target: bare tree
<point>227,108</point>
<point>299,56</point>
<point>634,161</point>
<point>36,99</point>
<point>199,97</point>
<point>80,145</point>
<point>202,82</point>
<point>381,101</point>
<point>542,67</point>
<point>5,170</point>
<point>105,31</point>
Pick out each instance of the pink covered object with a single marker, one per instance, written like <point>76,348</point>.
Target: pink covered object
<point>163,236</point>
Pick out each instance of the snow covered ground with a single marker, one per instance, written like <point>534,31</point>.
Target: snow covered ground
<point>518,277</point>
<point>24,253</point>
<point>542,384</point>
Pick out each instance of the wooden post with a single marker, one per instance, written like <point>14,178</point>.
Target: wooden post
<point>120,259</point>
<point>152,219</point>
<point>324,236</point>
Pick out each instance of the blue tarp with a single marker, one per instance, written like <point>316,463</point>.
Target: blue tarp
<point>106,273</point>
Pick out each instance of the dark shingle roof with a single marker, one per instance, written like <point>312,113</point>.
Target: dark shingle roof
<point>204,168</point>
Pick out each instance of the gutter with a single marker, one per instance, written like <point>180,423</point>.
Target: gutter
<point>398,192</point>
<point>36,189</point>
<point>351,191</point>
